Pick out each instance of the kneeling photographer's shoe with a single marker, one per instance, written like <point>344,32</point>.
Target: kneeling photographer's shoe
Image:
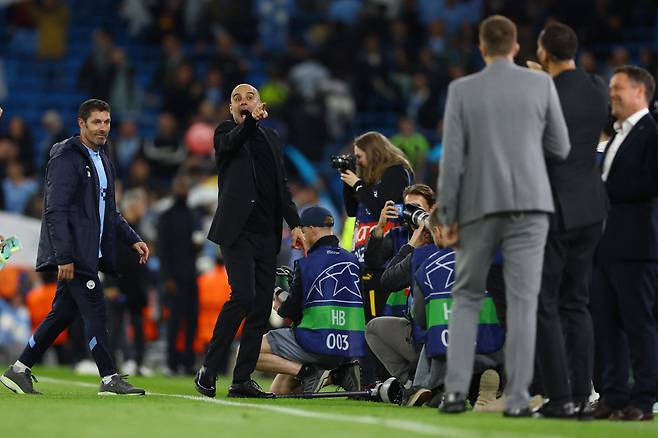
<point>247,389</point>
<point>204,382</point>
<point>415,396</point>
<point>453,403</point>
<point>347,376</point>
<point>311,378</point>
<point>19,382</point>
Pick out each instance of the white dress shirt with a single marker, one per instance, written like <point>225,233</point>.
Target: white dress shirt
<point>622,129</point>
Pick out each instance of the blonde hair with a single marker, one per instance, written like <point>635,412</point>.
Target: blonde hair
<point>381,154</point>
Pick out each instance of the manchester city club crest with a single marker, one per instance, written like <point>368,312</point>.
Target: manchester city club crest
<point>337,283</point>
<point>91,284</point>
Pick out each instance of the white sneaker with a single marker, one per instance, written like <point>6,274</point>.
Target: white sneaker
<point>129,367</point>
<point>146,371</point>
<point>86,367</point>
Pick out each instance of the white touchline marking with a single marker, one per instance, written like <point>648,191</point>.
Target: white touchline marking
<point>402,425</point>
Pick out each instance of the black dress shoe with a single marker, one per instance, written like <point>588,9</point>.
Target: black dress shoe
<point>453,403</point>
<point>517,413</point>
<point>556,410</point>
<point>248,389</point>
<point>204,382</point>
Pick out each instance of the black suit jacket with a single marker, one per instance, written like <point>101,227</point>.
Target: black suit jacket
<point>578,192</point>
<point>631,231</point>
<point>237,181</point>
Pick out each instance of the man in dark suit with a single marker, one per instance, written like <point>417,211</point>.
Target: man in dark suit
<point>564,326</point>
<point>254,198</point>
<point>624,280</point>
<point>80,230</point>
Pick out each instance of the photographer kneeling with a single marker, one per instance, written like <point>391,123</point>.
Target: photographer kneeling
<point>397,340</point>
<point>326,308</point>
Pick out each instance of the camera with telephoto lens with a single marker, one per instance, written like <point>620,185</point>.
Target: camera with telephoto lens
<point>414,216</point>
<point>389,391</point>
<point>344,162</point>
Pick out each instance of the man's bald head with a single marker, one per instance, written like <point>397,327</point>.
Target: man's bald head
<point>244,99</point>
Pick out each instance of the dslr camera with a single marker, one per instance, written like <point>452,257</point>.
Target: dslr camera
<point>344,162</point>
<point>414,216</point>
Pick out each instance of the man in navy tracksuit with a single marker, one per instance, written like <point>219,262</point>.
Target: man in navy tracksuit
<point>79,230</point>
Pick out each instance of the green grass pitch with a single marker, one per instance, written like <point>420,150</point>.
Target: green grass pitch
<point>70,408</point>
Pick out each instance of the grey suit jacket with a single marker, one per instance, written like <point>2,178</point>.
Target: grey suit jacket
<point>499,123</point>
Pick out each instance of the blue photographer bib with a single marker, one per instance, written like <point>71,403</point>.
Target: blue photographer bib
<point>333,320</point>
<point>417,258</point>
<point>435,278</point>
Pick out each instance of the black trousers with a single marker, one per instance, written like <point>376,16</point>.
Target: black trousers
<point>83,294</point>
<point>250,265</point>
<point>623,297</point>
<point>184,309</point>
<point>565,340</point>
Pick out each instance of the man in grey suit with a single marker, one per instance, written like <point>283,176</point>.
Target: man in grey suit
<point>494,193</point>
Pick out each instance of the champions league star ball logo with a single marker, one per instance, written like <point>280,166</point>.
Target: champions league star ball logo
<point>337,283</point>
<point>442,272</point>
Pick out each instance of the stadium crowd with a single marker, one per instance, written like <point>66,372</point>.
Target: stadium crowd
<point>328,70</point>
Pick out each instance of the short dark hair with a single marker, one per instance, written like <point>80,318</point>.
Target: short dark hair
<point>559,41</point>
<point>434,220</point>
<point>498,35</point>
<point>422,190</point>
<point>638,75</point>
<point>92,105</point>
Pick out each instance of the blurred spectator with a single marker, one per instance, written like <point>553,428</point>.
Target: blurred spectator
<point>214,292</point>
<point>95,76</point>
<point>125,95</point>
<point>137,15</point>
<point>345,11</point>
<point>587,62</point>
<point>51,122</point>
<point>52,21</point>
<point>17,188</point>
<point>275,91</point>
<point>178,247</point>
<point>138,175</point>
<point>373,90</point>
<point>214,91</point>
<point>182,97</point>
<point>340,108</point>
<point>422,107</point>
<point>128,146</point>
<point>172,56</point>
<point>273,23</point>
<point>414,145</point>
<point>8,152</point>
<point>166,151</point>
<point>18,131</point>
<point>226,57</point>
<point>127,295</point>
<point>168,18</point>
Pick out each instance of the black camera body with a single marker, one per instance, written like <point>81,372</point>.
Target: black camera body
<point>414,216</point>
<point>344,162</point>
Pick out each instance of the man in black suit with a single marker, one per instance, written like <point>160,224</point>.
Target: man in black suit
<point>564,326</point>
<point>624,281</point>
<point>254,198</point>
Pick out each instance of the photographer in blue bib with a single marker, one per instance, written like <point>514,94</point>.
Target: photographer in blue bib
<point>394,338</point>
<point>325,305</point>
<point>431,304</point>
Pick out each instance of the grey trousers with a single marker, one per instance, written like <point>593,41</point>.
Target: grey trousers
<point>390,339</point>
<point>522,237</point>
